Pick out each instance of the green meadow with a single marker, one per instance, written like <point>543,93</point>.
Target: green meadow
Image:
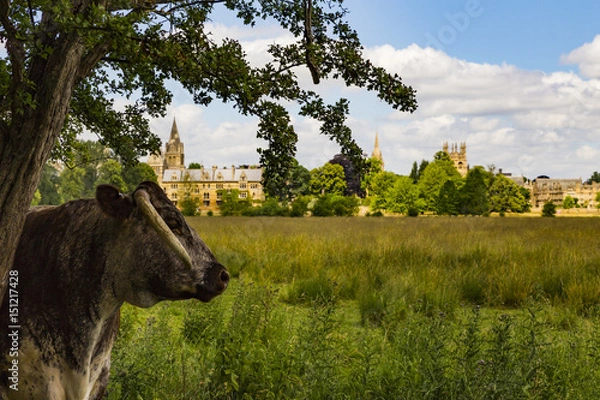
<point>378,308</point>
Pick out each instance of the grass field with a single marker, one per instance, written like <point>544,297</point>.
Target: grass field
<point>350,308</point>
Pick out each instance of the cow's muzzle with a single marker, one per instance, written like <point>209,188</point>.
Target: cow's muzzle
<point>215,282</point>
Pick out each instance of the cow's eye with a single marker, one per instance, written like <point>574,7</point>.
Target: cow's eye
<point>173,224</point>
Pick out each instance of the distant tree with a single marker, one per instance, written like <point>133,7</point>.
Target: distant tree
<point>441,156</point>
<point>505,195</point>
<point>381,182</point>
<point>49,186</point>
<point>231,204</point>
<point>435,176</point>
<point>568,202</point>
<point>422,166</point>
<point>526,195</point>
<point>134,174</point>
<point>448,199</point>
<point>37,197</point>
<point>414,172</point>
<point>195,165</point>
<point>89,155</point>
<point>403,196</point>
<point>474,193</point>
<point>549,209</point>
<point>71,183</point>
<point>351,174</point>
<point>110,172</point>
<point>189,205</point>
<point>597,200</point>
<point>595,177</point>
<point>328,179</point>
<point>299,181</point>
<point>373,167</point>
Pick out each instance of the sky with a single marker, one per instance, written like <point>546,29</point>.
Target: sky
<point>518,81</point>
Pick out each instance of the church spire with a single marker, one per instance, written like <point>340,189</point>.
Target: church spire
<point>174,132</point>
<point>377,151</point>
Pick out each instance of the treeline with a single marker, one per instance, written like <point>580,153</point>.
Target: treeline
<point>88,166</point>
<point>334,189</point>
<point>433,187</point>
<point>438,188</point>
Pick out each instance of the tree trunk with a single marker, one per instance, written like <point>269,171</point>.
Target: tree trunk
<point>32,133</point>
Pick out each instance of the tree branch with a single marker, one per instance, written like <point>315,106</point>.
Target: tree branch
<point>150,4</point>
<point>92,58</point>
<point>308,35</point>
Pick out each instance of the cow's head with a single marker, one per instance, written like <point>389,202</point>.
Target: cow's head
<point>160,256</point>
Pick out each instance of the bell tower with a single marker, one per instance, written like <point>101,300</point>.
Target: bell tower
<point>458,157</point>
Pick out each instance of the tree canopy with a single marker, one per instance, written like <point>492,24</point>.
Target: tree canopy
<point>328,179</point>
<point>67,61</point>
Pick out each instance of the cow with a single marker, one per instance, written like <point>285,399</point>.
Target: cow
<point>75,265</point>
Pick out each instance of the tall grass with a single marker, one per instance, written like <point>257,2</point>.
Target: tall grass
<point>247,345</point>
<point>362,308</point>
<point>444,262</point>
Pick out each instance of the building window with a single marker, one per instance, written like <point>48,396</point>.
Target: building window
<point>174,186</point>
<point>243,185</point>
<point>254,186</point>
<point>243,195</point>
<point>206,196</point>
<point>219,196</point>
<point>219,186</point>
<point>206,203</point>
<point>196,190</point>
<point>174,195</point>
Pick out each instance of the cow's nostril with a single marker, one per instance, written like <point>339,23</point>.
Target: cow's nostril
<point>224,276</point>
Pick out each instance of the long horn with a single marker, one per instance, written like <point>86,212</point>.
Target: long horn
<point>143,201</point>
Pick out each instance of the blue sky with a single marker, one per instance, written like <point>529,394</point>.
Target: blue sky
<point>531,34</point>
<point>518,81</point>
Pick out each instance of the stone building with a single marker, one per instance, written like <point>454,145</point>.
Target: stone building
<point>458,157</point>
<point>544,189</point>
<point>207,185</point>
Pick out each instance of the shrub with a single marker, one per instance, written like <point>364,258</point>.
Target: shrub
<point>333,205</point>
<point>413,212</point>
<point>189,206</point>
<point>549,210</point>
<point>300,206</point>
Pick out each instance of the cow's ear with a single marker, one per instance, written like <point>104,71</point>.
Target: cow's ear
<point>113,202</point>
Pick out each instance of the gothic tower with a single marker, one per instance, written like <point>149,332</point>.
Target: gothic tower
<point>174,155</point>
<point>376,151</point>
<point>458,157</point>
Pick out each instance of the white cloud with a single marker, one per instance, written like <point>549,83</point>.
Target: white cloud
<point>587,57</point>
<point>587,153</point>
